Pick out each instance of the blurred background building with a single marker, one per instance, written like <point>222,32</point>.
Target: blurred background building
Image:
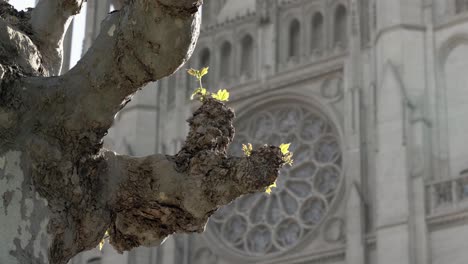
<point>373,96</point>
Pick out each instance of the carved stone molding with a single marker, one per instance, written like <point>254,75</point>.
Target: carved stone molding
<point>334,230</point>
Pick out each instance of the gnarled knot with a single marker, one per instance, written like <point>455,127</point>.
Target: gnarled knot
<point>181,7</point>
<point>211,128</point>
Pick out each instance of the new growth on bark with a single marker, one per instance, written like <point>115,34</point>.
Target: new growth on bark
<point>58,123</point>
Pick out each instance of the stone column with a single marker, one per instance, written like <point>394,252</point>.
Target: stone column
<point>401,80</point>
<point>168,251</point>
<point>355,249</point>
<point>355,227</point>
<point>67,48</point>
<point>267,53</point>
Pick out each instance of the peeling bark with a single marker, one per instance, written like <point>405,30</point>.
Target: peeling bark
<point>57,124</point>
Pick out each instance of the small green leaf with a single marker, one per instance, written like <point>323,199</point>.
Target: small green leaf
<point>221,95</point>
<point>287,155</point>
<point>193,72</point>
<point>285,148</point>
<point>199,91</point>
<point>247,149</point>
<point>203,71</point>
<point>103,240</point>
<point>270,188</point>
<point>288,159</point>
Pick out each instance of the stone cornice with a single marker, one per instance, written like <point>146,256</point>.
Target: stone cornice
<point>326,256</point>
<point>288,77</point>
<point>239,19</point>
<point>453,218</point>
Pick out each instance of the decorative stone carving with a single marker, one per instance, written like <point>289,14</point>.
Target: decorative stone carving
<point>266,10</point>
<point>205,256</point>
<point>334,230</point>
<point>443,192</point>
<point>332,89</point>
<point>463,186</point>
<point>263,225</point>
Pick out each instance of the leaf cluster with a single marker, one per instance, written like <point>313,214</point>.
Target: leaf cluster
<point>201,92</point>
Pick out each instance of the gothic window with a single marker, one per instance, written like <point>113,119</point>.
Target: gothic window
<point>247,56</point>
<point>461,6</point>
<point>226,61</point>
<point>261,224</point>
<point>96,260</point>
<point>171,91</point>
<point>189,86</point>
<point>141,255</point>
<point>341,27</point>
<point>204,59</point>
<point>456,106</point>
<point>317,34</point>
<point>294,39</point>
<point>365,22</point>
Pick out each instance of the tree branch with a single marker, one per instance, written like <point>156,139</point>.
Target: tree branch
<point>142,200</point>
<point>143,42</point>
<point>49,21</point>
<point>156,196</point>
<point>60,123</point>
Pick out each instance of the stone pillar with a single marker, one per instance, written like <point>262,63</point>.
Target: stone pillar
<point>355,250</point>
<point>267,53</point>
<point>401,87</point>
<point>96,11</point>
<point>355,229</point>
<point>67,48</point>
<point>89,28</point>
<point>168,251</point>
<point>392,205</point>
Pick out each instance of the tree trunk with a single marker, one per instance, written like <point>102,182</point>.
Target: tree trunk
<point>24,214</point>
<point>61,190</point>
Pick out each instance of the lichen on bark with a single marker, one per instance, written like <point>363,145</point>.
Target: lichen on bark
<point>58,122</point>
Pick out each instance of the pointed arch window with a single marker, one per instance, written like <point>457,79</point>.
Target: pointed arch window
<point>247,56</point>
<point>96,260</point>
<point>461,6</point>
<point>205,58</point>
<point>341,27</point>
<point>294,39</point>
<point>317,34</point>
<point>226,61</point>
<point>171,91</point>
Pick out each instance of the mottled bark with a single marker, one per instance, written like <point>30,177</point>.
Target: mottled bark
<point>49,21</point>
<point>55,125</point>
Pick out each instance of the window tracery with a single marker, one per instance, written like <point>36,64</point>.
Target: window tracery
<point>261,224</point>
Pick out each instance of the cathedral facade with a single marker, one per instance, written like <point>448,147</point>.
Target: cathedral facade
<point>373,96</point>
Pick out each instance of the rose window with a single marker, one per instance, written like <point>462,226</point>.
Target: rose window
<point>262,224</point>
